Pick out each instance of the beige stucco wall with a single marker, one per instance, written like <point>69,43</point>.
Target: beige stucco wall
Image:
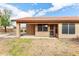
<point>60,35</point>
<point>41,34</point>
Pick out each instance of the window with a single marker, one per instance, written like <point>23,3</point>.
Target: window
<point>71,29</point>
<point>42,27</point>
<point>65,29</point>
<point>68,29</point>
<point>39,27</point>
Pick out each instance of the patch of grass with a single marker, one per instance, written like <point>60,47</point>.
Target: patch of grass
<point>23,40</point>
<point>17,48</point>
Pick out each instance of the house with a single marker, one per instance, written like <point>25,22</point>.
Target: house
<point>59,27</point>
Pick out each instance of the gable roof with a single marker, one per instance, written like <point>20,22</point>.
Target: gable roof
<point>60,19</point>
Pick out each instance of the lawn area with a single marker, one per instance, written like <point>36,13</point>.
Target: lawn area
<point>39,47</point>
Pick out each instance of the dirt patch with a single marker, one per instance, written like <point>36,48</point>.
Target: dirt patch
<point>39,47</point>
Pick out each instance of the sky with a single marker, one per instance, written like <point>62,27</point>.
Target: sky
<point>55,8</point>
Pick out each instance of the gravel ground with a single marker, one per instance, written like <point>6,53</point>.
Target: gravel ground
<point>57,47</point>
<point>46,47</point>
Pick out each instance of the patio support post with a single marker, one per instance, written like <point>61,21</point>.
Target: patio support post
<point>18,29</point>
<point>59,30</point>
<point>26,28</point>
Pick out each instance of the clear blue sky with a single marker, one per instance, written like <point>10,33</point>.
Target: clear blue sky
<point>71,10</point>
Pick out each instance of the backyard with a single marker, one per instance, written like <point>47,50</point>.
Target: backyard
<point>47,27</point>
<point>39,47</point>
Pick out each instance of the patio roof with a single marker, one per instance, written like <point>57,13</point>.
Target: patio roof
<point>68,19</point>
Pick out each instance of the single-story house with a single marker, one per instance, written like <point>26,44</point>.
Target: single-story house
<point>59,27</point>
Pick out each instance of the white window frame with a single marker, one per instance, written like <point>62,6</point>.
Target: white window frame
<point>68,28</point>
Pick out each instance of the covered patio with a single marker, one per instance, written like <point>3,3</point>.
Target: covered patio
<point>32,26</point>
<point>51,25</point>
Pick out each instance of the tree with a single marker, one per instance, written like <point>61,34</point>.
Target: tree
<point>5,18</point>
